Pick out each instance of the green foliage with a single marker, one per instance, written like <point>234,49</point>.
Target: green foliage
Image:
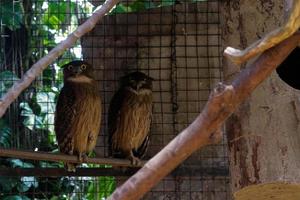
<point>140,5</point>
<point>26,183</point>
<point>135,6</point>
<point>16,197</point>
<point>18,184</point>
<point>15,163</point>
<point>167,2</point>
<point>37,112</point>
<point>101,187</point>
<point>12,14</point>
<point>7,80</point>
<point>5,134</point>
<point>57,13</point>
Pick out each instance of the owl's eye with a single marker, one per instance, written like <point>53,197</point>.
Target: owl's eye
<point>70,67</point>
<point>83,66</point>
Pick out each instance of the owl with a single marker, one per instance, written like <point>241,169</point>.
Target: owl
<point>78,112</point>
<point>129,117</point>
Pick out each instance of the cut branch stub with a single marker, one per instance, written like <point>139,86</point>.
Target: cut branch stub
<point>276,36</point>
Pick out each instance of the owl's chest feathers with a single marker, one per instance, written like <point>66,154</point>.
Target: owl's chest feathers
<point>80,79</point>
<point>87,108</point>
<point>86,96</point>
<point>84,88</point>
<point>135,119</point>
<point>140,98</point>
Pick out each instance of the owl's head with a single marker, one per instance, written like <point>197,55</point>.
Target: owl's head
<point>77,68</point>
<point>137,81</point>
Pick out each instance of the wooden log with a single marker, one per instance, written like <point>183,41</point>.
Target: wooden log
<point>263,134</point>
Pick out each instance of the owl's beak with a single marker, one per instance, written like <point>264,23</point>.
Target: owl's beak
<point>138,86</point>
<point>77,72</point>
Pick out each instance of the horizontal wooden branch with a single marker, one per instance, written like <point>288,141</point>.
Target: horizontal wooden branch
<point>222,102</point>
<point>32,155</point>
<point>39,66</point>
<point>59,172</point>
<point>115,171</point>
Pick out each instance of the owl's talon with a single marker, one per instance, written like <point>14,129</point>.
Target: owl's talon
<point>80,157</point>
<point>71,167</point>
<point>135,161</point>
<point>84,157</point>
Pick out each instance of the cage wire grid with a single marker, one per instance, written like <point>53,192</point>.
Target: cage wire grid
<point>177,43</point>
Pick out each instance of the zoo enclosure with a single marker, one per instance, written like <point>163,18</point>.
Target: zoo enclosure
<point>178,44</point>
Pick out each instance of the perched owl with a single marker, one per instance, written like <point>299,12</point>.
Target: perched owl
<point>129,117</point>
<point>78,112</point>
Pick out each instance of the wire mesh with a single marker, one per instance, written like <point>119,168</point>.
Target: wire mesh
<point>175,42</point>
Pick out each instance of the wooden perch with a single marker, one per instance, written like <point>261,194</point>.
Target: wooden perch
<point>39,66</point>
<point>12,153</point>
<point>222,102</point>
<point>276,36</point>
<point>59,172</point>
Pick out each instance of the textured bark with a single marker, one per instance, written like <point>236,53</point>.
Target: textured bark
<point>263,134</point>
<point>39,66</point>
<point>222,102</point>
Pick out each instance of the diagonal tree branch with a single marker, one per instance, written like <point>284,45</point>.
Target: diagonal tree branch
<point>39,66</point>
<point>222,102</point>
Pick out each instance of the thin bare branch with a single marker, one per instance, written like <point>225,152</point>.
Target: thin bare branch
<point>32,155</point>
<point>222,102</point>
<point>39,66</point>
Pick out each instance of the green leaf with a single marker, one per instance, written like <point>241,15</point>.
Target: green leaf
<point>12,14</point>
<point>121,8</point>
<point>7,80</point>
<point>167,2</point>
<point>5,134</point>
<point>44,164</point>
<point>46,100</point>
<point>103,186</point>
<point>149,5</point>
<point>16,197</point>
<point>138,5</point>
<point>26,183</point>
<point>31,121</point>
<point>58,13</point>
<point>8,183</point>
<point>19,163</point>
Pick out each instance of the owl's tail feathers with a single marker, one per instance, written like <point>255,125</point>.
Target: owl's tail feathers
<point>142,150</point>
<point>71,167</point>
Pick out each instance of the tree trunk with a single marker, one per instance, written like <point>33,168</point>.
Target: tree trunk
<point>264,133</point>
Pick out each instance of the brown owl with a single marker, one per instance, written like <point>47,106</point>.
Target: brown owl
<point>78,112</point>
<point>129,117</point>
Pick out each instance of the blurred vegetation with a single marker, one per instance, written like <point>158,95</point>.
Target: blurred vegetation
<point>29,30</point>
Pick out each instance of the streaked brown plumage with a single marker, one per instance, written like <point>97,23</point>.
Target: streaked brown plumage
<point>129,117</point>
<point>78,112</point>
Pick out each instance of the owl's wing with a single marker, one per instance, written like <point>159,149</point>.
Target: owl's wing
<point>64,117</point>
<point>141,151</point>
<point>114,114</point>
